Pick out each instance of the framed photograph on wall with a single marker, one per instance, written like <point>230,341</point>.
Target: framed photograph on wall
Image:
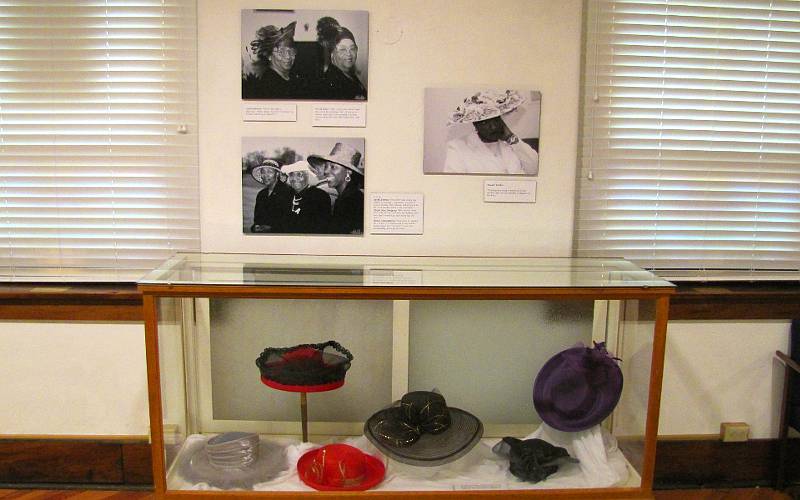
<point>312,185</point>
<point>305,54</point>
<point>482,131</point>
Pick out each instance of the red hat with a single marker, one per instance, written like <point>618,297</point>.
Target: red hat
<point>305,367</point>
<point>340,467</point>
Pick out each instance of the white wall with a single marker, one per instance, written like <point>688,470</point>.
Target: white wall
<point>526,44</point>
<point>722,371</point>
<point>82,378</point>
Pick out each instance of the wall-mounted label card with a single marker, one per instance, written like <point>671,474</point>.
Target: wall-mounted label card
<point>397,213</point>
<point>269,112</point>
<point>508,191</point>
<point>339,114</point>
<point>389,277</point>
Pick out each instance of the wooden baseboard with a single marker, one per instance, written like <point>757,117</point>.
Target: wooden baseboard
<point>75,461</point>
<point>681,462</point>
<point>704,462</point>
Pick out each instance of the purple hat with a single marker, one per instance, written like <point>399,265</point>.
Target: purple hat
<point>577,388</point>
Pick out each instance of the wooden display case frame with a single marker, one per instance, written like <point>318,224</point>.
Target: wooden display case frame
<point>659,295</point>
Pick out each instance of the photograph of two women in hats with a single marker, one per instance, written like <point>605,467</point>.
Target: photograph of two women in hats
<point>309,185</point>
<point>304,54</point>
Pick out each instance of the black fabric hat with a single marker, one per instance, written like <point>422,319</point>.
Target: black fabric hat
<point>305,367</point>
<point>422,430</point>
<point>532,460</point>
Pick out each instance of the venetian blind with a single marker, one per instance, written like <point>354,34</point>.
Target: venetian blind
<point>98,145</point>
<point>690,142</point>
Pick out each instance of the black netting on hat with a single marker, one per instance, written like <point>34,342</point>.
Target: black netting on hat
<point>420,412</point>
<point>532,460</point>
<point>305,364</point>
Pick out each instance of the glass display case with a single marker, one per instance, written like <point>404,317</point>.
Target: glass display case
<point>490,337</point>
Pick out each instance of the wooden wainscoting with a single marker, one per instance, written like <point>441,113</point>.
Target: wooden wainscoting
<point>119,461</point>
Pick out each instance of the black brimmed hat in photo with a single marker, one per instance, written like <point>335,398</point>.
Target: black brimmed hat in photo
<point>422,430</point>
<point>305,367</point>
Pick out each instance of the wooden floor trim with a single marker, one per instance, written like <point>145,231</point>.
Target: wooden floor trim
<point>75,461</point>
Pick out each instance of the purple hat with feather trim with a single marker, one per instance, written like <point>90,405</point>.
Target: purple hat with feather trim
<point>577,388</point>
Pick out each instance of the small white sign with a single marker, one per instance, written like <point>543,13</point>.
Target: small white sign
<point>339,114</point>
<point>397,213</point>
<point>507,191</point>
<point>480,486</point>
<point>269,112</point>
<point>393,277</point>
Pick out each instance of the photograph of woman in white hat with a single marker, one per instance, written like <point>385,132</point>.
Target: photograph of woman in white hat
<point>490,132</point>
<point>309,207</point>
<point>303,185</point>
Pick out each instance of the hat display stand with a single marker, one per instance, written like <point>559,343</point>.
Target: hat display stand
<point>305,368</point>
<point>303,409</point>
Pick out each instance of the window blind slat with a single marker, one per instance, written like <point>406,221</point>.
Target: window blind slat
<point>690,143</point>
<point>96,182</point>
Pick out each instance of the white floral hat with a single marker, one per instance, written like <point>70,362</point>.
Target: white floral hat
<point>486,104</point>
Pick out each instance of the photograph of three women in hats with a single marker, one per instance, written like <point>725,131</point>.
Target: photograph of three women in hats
<point>309,185</point>
<point>304,54</point>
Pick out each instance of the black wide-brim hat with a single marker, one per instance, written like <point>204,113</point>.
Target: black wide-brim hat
<point>429,449</point>
<point>577,388</point>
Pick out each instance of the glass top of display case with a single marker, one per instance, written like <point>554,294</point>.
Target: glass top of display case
<point>378,271</point>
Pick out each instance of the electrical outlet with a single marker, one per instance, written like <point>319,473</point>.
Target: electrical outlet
<point>732,432</point>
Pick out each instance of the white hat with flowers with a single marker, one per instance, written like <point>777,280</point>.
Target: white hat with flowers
<point>486,104</point>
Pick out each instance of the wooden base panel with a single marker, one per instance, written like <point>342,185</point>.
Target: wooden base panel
<point>695,463</point>
<point>75,461</point>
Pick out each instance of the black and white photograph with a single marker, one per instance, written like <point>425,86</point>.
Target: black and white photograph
<point>482,131</point>
<point>305,54</point>
<point>311,185</point>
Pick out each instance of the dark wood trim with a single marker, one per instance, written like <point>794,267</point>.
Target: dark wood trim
<point>122,302</point>
<point>406,293</point>
<point>75,461</point>
<point>137,465</point>
<point>692,463</point>
<point>70,302</point>
<point>736,301</point>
